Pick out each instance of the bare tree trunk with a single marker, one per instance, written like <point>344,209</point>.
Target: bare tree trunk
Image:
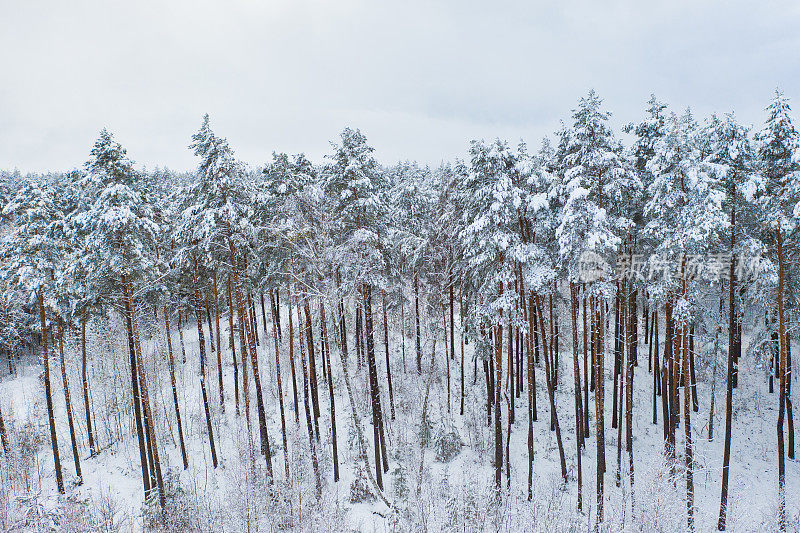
<point>632,349</point>
<point>180,332</point>
<point>232,342</point>
<point>219,343</point>
<point>175,390</point>
<point>48,395</point>
<point>327,363</point>
<point>202,344</point>
<point>781,386</point>
<point>291,362</point>
<point>137,403</point>
<point>789,415</point>
<point>551,393</point>
<point>145,395</point>
<point>498,430</point>
<point>3,436</point>
<point>388,368</point>
<point>312,364</point>
<point>309,415</point>
<point>377,412</point>
<point>578,407</point>
<point>85,381</point>
<point>68,402</point>
<point>280,384</point>
<point>586,371</point>
<point>416,313</point>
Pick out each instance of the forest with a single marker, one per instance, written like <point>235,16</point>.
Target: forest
<point>591,335</point>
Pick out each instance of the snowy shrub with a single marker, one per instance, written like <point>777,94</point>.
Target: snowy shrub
<point>359,487</point>
<point>400,482</point>
<point>179,513</point>
<point>447,443</point>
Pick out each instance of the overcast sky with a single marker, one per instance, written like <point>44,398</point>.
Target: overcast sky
<point>420,79</point>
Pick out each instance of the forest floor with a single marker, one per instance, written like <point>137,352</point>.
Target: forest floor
<point>428,491</point>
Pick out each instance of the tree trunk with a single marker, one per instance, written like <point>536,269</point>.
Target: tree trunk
<point>145,395</point>
<point>280,384</point>
<point>498,430</point>
<point>388,368</point>
<point>211,342</point>
<point>85,381</point>
<point>233,347</point>
<point>327,363</point>
<point>137,414</point>
<point>202,344</point>
<point>789,415</point>
<point>586,372</point>
<point>312,364</point>
<point>3,436</point>
<point>291,362</point>
<point>68,402</point>
<point>416,313</point>
<point>377,415</point>
<point>219,343</point>
<point>49,396</point>
<point>578,407</point>
<point>309,415</point>
<point>781,386</point>
<point>632,349</point>
<point>175,390</point>
<point>551,393</point>
<point>726,458</point>
<point>180,333</point>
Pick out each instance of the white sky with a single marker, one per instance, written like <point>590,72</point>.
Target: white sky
<point>420,79</point>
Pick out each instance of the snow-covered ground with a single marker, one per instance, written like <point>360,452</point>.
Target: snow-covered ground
<point>428,494</point>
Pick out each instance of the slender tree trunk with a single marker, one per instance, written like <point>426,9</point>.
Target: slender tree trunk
<point>175,390</point>
<point>137,403</point>
<point>280,386</point>
<point>327,363</point>
<point>577,375</point>
<point>49,396</point>
<point>312,364</point>
<point>219,343</point>
<point>656,366</point>
<point>531,395</point>
<point>416,313</point>
<point>551,395</point>
<point>461,318</point>
<point>145,395</point>
<point>180,333</point>
<point>202,344</point>
<point>309,415</point>
<point>68,402</point>
<point>586,371</point>
<point>377,415</point>
<point>388,368</point>
<point>85,381</point>
<point>211,342</point>
<point>629,373</point>
<point>617,355</point>
<point>598,312</point>
<point>726,458</point>
<point>291,361</point>
<point>781,386</point>
<point>3,436</point>
<point>498,430</point>
<point>233,347</point>
<point>789,415</point>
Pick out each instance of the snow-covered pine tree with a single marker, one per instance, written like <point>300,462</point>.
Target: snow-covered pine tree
<point>778,199</point>
<point>117,258</point>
